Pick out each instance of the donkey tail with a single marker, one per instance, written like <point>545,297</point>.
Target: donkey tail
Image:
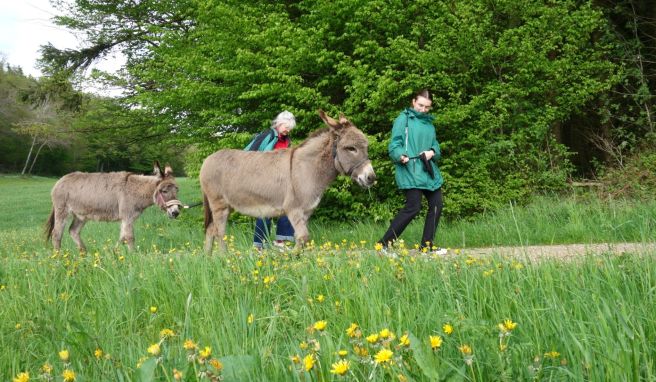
<point>50,225</point>
<point>208,213</point>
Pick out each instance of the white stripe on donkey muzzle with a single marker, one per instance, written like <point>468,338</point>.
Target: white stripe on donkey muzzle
<point>173,208</point>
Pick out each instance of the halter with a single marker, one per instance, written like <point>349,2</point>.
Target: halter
<point>165,205</point>
<point>350,170</point>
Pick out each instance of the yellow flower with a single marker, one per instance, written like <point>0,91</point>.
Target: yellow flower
<point>308,362</point>
<point>303,345</point>
<point>69,375</point>
<point>352,330</point>
<point>153,309</point>
<point>177,374</point>
<point>64,355</point>
<point>507,325</point>
<point>250,318</point>
<point>404,340</point>
<point>552,354</point>
<point>205,353</point>
<point>402,378</point>
<point>268,279</point>
<point>342,353</point>
<point>447,329</point>
<point>22,377</point>
<point>386,333</point>
<point>465,349</point>
<point>98,353</point>
<point>372,338</point>
<point>189,345</point>
<point>378,246</point>
<point>166,333</point>
<point>320,325</point>
<point>18,326</point>
<point>295,358</point>
<point>320,298</point>
<point>154,350</point>
<point>360,351</point>
<point>435,342</point>
<point>340,367</point>
<point>216,364</point>
<point>46,368</point>
<point>383,356</point>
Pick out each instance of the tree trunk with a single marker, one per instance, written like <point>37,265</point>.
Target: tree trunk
<point>35,157</point>
<point>29,155</point>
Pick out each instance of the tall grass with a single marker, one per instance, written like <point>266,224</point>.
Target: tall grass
<point>586,320</point>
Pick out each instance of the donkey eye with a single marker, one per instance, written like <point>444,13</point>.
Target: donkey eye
<point>351,149</point>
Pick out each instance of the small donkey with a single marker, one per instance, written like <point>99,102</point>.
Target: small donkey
<point>109,196</point>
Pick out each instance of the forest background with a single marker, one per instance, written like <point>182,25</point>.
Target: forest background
<point>530,96</point>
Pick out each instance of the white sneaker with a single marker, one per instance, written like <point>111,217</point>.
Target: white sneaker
<point>279,244</point>
<point>439,252</point>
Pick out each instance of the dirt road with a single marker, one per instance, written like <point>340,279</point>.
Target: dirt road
<point>565,252</point>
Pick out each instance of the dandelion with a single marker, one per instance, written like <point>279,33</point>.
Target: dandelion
<point>320,325</point>
<point>352,330</point>
<point>372,338</point>
<point>153,309</point>
<point>386,333</point>
<point>268,279</point>
<point>308,362</point>
<point>154,350</point>
<point>320,298</point>
<point>402,378</point>
<point>22,377</point>
<point>98,353</point>
<point>46,368</point>
<point>507,326</point>
<point>177,375</point>
<point>303,345</point>
<point>166,333</point>
<point>340,367</point>
<point>295,358</point>
<point>404,340</point>
<point>189,345</point>
<point>447,329</point>
<point>64,355</point>
<point>18,326</point>
<point>216,364</point>
<point>378,247</point>
<point>69,375</point>
<point>360,351</point>
<point>383,356</point>
<point>342,353</point>
<point>205,353</point>
<point>435,342</point>
<point>552,354</point>
<point>250,318</point>
<point>465,349</point>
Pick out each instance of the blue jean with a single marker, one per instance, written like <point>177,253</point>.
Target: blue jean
<point>284,230</point>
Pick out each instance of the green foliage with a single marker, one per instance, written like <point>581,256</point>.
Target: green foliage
<point>506,77</point>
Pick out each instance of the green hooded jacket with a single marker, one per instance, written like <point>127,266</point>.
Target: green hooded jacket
<point>412,133</point>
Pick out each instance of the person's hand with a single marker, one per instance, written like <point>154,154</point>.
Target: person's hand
<point>404,159</point>
<point>429,154</point>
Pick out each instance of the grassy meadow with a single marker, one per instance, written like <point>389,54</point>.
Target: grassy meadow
<point>338,311</point>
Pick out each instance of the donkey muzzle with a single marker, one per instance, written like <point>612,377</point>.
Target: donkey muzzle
<point>173,208</point>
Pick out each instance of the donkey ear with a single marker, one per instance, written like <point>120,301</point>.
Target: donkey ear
<point>168,171</point>
<point>157,169</point>
<point>343,121</point>
<point>329,121</point>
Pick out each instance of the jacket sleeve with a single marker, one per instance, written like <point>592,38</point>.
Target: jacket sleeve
<point>396,147</point>
<point>436,148</point>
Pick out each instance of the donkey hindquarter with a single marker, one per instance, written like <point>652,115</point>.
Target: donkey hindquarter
<point>109,197</point>
<point>287,182</point>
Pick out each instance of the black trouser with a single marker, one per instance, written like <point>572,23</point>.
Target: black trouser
<point>410,210</point>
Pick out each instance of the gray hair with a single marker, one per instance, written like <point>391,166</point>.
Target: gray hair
<point>286,118</point>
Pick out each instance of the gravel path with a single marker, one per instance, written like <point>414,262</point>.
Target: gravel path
<point>565,252</point>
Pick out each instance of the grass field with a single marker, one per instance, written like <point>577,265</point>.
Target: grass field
<point>338,311</point>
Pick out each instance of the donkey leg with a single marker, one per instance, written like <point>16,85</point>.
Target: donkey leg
<point>301,233</point>
<point>127,233</point>
<point>74,230</point>
<point>58,228</point>
<point>217,229</point>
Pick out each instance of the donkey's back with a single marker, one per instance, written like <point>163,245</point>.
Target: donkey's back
<point>90,196</point>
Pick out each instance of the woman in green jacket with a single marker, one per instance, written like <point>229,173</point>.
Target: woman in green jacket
<point>414,150</point>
